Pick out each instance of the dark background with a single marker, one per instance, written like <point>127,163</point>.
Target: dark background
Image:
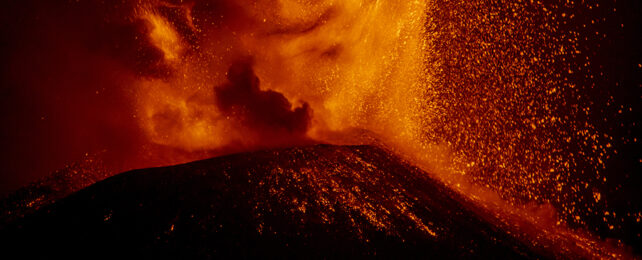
<point>612,88</point>
<point>617,68</point>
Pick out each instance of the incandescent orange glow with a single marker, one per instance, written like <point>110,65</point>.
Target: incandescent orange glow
<point>491,121</point>
<point>490,116</point>
<point>483,95</point>
<point>355,63</point>
<point>164,37</point>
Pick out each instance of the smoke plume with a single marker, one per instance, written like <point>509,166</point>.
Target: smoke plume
<point>267,113</point>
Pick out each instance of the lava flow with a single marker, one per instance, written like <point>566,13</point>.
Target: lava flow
<point>526,108</point>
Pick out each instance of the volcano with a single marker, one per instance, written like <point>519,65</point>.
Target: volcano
<point>315,201</point>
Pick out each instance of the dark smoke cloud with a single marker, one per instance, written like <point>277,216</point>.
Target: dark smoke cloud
<point>267,113</point>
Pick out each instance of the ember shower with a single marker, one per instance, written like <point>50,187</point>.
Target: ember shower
<point>493,98</point>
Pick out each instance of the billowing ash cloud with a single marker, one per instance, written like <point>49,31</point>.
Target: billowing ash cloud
<point>267,113</point>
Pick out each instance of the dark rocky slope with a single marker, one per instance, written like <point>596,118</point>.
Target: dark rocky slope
<point>315,201</point>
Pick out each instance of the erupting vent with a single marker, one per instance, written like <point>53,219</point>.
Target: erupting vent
<point>526,108</point>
